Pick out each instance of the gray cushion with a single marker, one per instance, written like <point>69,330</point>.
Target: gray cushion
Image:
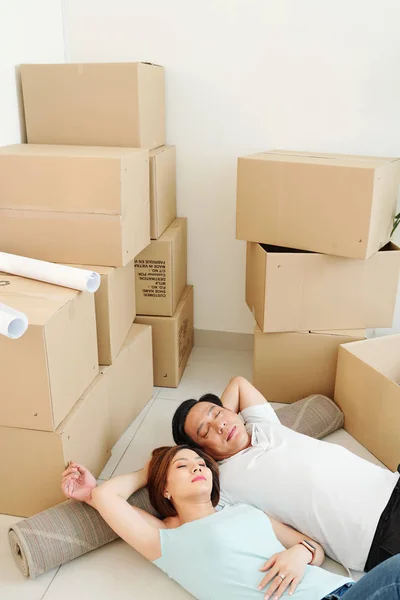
<point>316,416</point>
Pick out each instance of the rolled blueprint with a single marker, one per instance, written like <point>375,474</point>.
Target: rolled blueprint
<point>13,323</point>
<point>78,279</point>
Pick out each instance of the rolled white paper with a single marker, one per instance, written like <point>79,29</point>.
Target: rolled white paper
<point>71,277</point>
<point>13,323</point>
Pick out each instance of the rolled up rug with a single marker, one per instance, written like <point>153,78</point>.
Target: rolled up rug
<point>61,533</point>
<point>71,529</point>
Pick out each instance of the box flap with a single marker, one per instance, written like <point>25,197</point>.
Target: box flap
<point>351,333</point>
<point>382,354</point>
<point>171,233</point>
<point>156,151</point>
<point>256,265</point>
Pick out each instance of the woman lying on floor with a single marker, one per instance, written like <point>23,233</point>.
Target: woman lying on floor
<point>218,554</point>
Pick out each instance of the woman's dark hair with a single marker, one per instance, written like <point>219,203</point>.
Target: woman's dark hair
<point>158,472</point>
<point>180,416</point>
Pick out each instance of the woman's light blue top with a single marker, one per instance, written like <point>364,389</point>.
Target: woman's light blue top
<point>219,557</point>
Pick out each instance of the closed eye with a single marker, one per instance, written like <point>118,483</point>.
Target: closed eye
<point>181,466</point>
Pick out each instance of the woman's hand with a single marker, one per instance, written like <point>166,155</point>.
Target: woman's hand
<point>285,569</point>
<point>77,482</point>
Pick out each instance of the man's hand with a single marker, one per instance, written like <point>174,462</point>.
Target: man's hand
<point>284,569</point>
<point>77,482</point>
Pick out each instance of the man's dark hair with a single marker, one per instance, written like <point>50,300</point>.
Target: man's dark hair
<point>180,416</point>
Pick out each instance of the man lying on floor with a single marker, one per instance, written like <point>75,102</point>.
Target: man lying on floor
<point>349,505</point>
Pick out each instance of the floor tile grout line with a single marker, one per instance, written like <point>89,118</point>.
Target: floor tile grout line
<point>50,582</point>
<point>130,441</point>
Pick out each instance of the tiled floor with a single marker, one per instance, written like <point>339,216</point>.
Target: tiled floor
<point>117,571</point>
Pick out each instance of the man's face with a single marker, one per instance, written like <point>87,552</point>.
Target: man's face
<point>218,431</point>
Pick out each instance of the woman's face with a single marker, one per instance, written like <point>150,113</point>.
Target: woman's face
<point>188,478</point>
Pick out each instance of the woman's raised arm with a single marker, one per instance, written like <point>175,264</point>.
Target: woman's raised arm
<point>138,528</point>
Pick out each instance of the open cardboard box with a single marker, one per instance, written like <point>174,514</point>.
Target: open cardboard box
<point>295,290</point>
<point>367,390</point>
<point>291,366</point>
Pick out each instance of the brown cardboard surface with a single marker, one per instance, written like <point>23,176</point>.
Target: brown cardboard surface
<point>115,308</point>
<point>36,459</point>
<point>162,189</point>
<point>161,272</point>
<point>59,203</point>
<point>45,372</point>
<point>290,366</point>
<point>98,104</point>
<point>367,390</point>
<point>172,341</point>
<point>292,290</point>
<point>332,204</point>
<point>130,380</point>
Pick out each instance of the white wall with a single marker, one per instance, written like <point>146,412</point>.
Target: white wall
<point>245,76</point>
<point>31,31</point>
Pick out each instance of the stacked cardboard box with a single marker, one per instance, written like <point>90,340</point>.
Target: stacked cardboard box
<point>320,270</point>
<point>163,298</point>
<point>78,193</point>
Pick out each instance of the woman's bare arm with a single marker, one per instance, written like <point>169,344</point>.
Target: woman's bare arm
<point>138,528</point>
<point>289,537</point>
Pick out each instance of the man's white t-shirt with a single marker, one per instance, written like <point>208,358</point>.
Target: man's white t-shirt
<point>320,489</point>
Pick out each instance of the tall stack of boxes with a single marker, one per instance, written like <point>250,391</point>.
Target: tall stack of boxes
<point>163,299</point>
<point>320,270</point>
<point>78,193</point>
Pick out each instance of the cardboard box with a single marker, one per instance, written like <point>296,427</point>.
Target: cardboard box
<point>101,104</point>
<point>60,203</point>
<point>290,366</point>
<point>367,390</point>
<point>162,189</point>
<point>161,272</point>
<point>46,371</point>
<point>329,203</point>
<point>130,380</point>
<point>115,303</point>
<point>293,290</point>
<point>172,341</point>
<point>36,459</point>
